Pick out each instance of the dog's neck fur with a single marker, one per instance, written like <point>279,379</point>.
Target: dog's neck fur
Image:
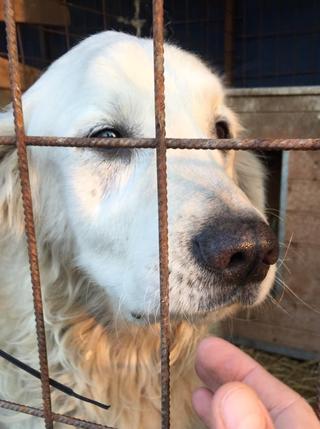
<point>116,364</point>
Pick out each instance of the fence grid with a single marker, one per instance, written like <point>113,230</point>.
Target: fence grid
<point>161,144</point>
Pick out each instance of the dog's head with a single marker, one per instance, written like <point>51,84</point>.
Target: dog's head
<point>220,247</point>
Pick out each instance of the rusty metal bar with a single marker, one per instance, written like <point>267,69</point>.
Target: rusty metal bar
<point>27,207</point>
<point>149,143</point>
<point>158,52</point>
<point>37,412</point>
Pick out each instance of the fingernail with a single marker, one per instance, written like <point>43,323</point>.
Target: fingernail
<point>240,409</point>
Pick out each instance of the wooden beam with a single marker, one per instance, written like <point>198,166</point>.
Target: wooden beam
<point>5,97</point>
<point>28,75</point>
<point>46,12</point>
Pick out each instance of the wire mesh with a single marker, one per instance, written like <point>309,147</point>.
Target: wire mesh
<point>276,43</point>
<point>160,143</point>
<point>254,43</point>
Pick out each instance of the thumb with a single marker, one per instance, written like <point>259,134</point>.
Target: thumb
<point>233,406</point>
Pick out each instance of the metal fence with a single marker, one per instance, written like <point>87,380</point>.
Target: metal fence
<point>160,144</point>
<point>235,36</point>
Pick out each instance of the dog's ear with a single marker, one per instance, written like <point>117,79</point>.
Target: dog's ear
<point>6,122</point>
<point>11,212</point>
<point>6,129</point>
<point>251,176</point>
<point>233,127</point>
<point>249,171</point>
<point>246,168</point>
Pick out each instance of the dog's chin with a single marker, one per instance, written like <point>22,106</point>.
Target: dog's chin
<point>194,318</point>
<point>209,310</point>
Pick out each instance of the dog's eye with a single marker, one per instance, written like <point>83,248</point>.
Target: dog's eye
<point>107,133</point>
<point>222,130</point>
<point>122,154</point>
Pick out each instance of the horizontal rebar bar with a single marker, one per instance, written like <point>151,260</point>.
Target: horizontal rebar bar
<point>145,143</point>
<point>37,412</point>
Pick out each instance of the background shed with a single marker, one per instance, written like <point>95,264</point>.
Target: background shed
<point>269,53</point>
<point>292,326</point>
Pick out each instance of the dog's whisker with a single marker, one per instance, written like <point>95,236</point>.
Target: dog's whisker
<point>283,263</point>
<point>274,214</point>
<point>278,304</point>
<point>286,251</point>
<point>298,298</point>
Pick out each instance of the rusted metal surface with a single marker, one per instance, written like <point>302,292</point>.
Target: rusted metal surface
<point>37,412</point>
<point>162,209</point>
<point>149,143</point>
<point>27,207</point>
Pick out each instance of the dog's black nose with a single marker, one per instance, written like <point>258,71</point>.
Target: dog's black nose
<point>239,251</point>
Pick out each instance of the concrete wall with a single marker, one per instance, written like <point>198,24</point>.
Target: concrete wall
<point>293,326</point>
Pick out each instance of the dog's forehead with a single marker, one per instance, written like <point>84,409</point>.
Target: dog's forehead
<point>124,69</point>
<point>110,75</point>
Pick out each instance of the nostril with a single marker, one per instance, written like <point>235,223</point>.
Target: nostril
<point>269,247</point>
<point>237,259</point>
<point>271,256</point>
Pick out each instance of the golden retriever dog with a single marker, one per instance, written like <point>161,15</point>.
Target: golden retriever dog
<point>97,232</point>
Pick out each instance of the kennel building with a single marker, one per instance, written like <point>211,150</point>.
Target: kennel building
<point>269,55</point>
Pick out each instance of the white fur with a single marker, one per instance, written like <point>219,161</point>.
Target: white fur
<point>96,222</point>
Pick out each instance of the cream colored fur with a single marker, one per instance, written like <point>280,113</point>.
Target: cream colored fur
<point>113,361</point>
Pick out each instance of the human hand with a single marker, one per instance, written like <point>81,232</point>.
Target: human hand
<point>241,394</point>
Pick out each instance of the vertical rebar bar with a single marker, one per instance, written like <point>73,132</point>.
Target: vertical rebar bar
<point>27,206</point>
<point>162,209</point>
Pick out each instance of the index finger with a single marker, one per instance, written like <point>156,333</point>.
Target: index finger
<point>219,362</point>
